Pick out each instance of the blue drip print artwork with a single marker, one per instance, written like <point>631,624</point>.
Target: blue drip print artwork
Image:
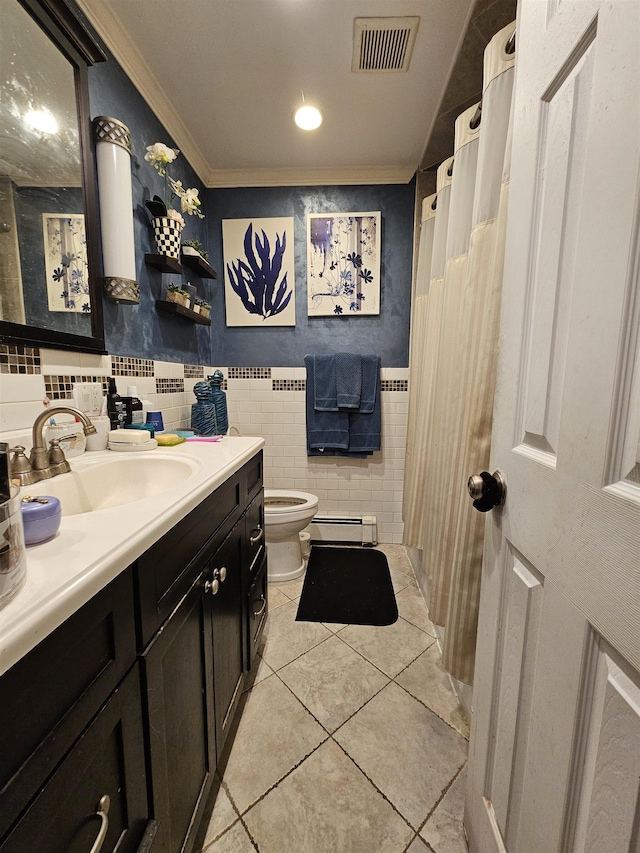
<point>343,264</point>
<point>259,271</point>
<point>66,266</point>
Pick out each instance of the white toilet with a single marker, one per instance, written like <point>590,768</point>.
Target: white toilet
<point>286,513</point>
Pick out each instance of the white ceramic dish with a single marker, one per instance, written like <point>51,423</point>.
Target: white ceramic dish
<point>123,447</point>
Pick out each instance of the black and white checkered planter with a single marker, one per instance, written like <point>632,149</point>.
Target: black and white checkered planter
<point>167,234</point>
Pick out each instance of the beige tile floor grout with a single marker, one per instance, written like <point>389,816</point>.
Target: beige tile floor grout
<point>337,782</point>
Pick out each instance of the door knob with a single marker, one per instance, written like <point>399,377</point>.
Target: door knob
<point>487,490</point>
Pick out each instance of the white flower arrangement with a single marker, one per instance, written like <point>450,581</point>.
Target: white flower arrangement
<point>160,156</point>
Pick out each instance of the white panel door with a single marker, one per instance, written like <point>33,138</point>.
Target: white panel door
<point>555,751</point>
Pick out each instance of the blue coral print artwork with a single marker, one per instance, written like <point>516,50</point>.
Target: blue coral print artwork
<point>259,271</point>
<point>66,267</point>
<point>343,264</point>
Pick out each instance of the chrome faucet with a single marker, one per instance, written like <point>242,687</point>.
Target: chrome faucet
<point>51,463</point>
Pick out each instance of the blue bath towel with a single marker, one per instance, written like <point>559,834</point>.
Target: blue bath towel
<point>325,429</point>
<point>365,425</point>
<point>324,380</point>
<point>345,433</point>
<point>348,372</point>
<point>370,383</point>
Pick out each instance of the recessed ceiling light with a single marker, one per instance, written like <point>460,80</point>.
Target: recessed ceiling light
<point>42,120</point>
<point>307,117</point>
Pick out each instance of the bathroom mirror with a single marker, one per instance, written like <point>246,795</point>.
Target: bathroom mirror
<point>50,261</point>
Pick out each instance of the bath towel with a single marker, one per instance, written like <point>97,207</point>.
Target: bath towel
<point>325,429</point>
<point>348,372</point>
<point>345,432</point>
<point>324,380</point>
<point>365,425</point>
<point>338,382</point>
<point>370,390</point>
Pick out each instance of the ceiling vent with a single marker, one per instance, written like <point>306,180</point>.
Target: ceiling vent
<point>383,44</point>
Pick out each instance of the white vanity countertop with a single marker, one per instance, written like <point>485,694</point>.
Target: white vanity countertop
<point>91,549</point>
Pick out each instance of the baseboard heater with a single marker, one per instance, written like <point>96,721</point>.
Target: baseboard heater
<point>360,530</point>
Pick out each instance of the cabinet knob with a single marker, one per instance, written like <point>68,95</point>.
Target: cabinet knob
<point>212,586</point>
<point>253,540</point>
<point>220,574</point>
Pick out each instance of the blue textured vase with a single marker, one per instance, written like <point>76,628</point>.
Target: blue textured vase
<point>220,402</point>
<point>203,413</point>
<point>203,419</point>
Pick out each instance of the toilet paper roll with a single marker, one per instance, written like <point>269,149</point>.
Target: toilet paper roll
<point>99,440</point>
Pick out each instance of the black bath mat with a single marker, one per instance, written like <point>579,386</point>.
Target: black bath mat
<point>349,585</point>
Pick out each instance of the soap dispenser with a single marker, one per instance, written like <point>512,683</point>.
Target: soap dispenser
<point>115,405</point>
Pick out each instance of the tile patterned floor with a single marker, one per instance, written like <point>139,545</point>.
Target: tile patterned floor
<point>362,743</point>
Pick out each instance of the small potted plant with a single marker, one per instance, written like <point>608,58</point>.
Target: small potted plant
<point>195,247</point>
<point>167,221</point>
<point>205,309</point>
<point>197,305</point>
<point>176,294</point>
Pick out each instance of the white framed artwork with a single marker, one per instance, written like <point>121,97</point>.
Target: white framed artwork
<point>66,266</point>
<point>259,271</point>
<point>343,264</point>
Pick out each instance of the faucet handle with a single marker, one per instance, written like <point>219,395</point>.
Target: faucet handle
<point>22,473</point>
<point>19,463</point>
<point>56,453</point>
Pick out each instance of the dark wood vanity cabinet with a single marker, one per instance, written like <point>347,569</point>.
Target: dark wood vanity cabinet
<point>134,695</point>
<point>177,670</point>
<point>107,761</point>
<point>195,663</point>
<point>71,731</point>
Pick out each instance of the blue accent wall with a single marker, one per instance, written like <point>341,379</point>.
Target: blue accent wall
<point>139,330</point>
<point>286,346</point>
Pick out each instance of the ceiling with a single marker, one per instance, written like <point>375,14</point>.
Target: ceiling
<point>225,76</point>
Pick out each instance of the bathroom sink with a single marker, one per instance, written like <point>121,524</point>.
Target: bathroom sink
<point>98,482</point>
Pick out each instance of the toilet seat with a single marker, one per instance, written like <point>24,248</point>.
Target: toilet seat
<point>282,501</point>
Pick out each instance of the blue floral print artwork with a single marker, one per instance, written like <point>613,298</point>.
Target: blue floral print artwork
<point>66,267</point>
<point>259,271</point>
<point>343,264</point>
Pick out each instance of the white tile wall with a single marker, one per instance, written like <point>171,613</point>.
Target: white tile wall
<point>371,486</point>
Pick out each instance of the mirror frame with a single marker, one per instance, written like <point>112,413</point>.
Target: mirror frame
<point>68,33</point>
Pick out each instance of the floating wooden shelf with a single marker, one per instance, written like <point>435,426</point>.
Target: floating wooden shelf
<point>199,265</point>
<point>181,311</point>
<point>163,263</point>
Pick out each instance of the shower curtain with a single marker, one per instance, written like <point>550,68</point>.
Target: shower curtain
<point>454,338</point>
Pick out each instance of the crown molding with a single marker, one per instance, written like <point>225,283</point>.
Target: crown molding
<point>119,43</point>
<point>312,177</point>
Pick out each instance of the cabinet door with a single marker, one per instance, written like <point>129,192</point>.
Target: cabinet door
<point>257,609</point>
<point>226,596</point>
<point>254,527</point>
<point>49,697</point>
<point>178,670</point>
<point>107,760</point>
<point>166,571</point>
